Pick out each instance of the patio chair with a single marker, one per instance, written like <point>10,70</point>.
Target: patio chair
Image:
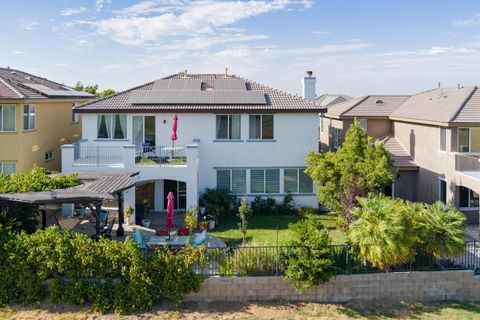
<point>198,241</point>
<point>107,231</point>
<point>103,217</point>
<point>160,233</point>
<point>137,237</point>
<point>183,232</point>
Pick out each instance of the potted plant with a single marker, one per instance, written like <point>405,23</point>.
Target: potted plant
<point>190,218</point>
<point>203,225</point>
<point>146,222</point>
<point>128,214</point>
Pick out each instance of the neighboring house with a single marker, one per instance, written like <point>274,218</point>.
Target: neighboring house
<point>434,137</point>
<point>36,118</point>
<point>233,134</point>
<point>327,100</point>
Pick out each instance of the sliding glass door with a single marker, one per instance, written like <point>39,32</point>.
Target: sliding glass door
<point>143,131</point>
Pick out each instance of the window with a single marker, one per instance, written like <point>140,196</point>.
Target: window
<point>7,168</point>
<point>7,118</point>
<point>49,155</point>
<point>297,181</point>
<point>232,180</point>
<point>228,127</point>
<point>261,126</point>
<point>320,125</point>
<point>443,139</point>
<point>468,139</point>
<point>74,114</point>
<point>335,135</point>
<point>28,117</point>
<point>468,198</point>
<point>265,180</point>
<point>442,190</point>
<point>363,124</point>
<point>111,126</point>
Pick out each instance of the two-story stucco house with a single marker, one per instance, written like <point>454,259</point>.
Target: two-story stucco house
<point>232,133</point>
<point>35,120</point>
<point>434,137</point>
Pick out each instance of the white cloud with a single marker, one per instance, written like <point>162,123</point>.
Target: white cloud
<point>18,52</point>
<point>135,25</point>
<point>72,11</point>
<point>321,32</point>
<point>474,21</point>
<point>29,25</point>
<point>99,4</point>
<point>435,50</point>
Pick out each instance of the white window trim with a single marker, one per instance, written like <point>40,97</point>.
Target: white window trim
<point>467,208</point>
<point>28,117</point>
<point>261,127</point>
<point>75,116</point>
<point>51,158</point>
<point>112,124</point>
<point>9,162</point>
<point>228,138</point>
<point>15,117</point>
<point>469,141</point>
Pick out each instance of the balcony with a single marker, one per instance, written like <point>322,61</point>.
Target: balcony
<point>152,161</point>
<point>468,164</point>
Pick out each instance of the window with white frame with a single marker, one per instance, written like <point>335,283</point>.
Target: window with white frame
<point>261,127</point>
<point>443,139</point>
<point>320,128</point>
<point>228,126</point>
<point>28,117</point>
<point>7,168</point>
<point>49,155</point>
<point>297,181</point>
<point>468,198</point>
<point>232,180</point>
<point>264,180</point>
<point>74,114</point>
<point>335,136</point>
<point>7,118</point>
<point>111,126</point>
<point>469,139</point>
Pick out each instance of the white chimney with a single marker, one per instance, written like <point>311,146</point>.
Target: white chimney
<point>308,86</point>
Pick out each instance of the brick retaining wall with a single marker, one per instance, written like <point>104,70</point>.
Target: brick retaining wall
<point>405,286</point>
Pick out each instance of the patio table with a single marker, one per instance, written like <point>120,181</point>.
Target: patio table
<point>177,241</point>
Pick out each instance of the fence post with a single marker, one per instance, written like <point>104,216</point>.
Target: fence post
<point>276,256</point>
<point>346,259</point>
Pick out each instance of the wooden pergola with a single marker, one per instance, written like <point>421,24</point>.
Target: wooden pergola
<point>94,190</point>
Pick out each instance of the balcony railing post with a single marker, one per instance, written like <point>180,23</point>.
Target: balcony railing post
<point>129,156</point>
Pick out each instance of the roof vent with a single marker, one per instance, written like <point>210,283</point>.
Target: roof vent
<point>379,102</point>
<point>29,78</point>
<point>13,72</point>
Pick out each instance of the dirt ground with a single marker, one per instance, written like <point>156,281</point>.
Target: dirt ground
<point>275,310</point>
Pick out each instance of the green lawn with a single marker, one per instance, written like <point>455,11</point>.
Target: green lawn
<point>263,229</point>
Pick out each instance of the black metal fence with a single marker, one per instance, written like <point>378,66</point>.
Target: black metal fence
<point>271,261</point>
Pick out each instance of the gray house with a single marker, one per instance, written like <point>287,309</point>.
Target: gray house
<point>433,136</point>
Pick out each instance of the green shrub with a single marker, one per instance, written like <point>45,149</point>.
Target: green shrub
<point>310,262</point>
<point>217,202</point>
<point>263,206</point>
<point>106,274</point>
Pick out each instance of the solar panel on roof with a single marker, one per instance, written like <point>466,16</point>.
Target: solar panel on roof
<point>49,91</point>
<point>229,84</point>
<point>177,84</point>
<point>196,97</point>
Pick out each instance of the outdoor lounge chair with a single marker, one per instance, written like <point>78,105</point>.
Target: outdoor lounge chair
<point>183,232</point>
<point>199,239</point>
<point>107,231</point>
<point>137,237</point>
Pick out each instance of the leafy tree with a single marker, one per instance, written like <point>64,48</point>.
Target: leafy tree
<point>243,213</point>
<point>381,231</point>
<point>357,169</point>
<point>216,202</point>
<point>310,262</point>
<point>92,89</point>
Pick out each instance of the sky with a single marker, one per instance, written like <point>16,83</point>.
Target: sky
<point>353,47</point>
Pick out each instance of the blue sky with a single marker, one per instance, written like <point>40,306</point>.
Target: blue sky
<point>353,47</point>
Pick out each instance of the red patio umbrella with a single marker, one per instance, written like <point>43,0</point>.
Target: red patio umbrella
<point>170,208</point>
<point>173,136</point>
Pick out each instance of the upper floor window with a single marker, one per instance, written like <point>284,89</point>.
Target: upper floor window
<point>363,124</point>
<point>111,126</point>
<point>7,118</point>
<point>335,137</point>
<point>468,139</point>
<point>443,139</point>
<point>28,117</point>
<point>261,126</point>
<point>7,168</point>
<point>74,114</point>
<point>228,127</point>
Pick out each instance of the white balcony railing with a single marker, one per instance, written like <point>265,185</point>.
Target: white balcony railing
<point>97,156</point>
<point>161,156</point>
<point>467,163</point>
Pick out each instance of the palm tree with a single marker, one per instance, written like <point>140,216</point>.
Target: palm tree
<point>381,231</point>
<point>441,230</point>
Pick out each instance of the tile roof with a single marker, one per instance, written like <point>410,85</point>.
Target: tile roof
<point>327,100</point>
<point>368,106</point>
<point>437,105</point>
<point>276,100</point>
<point>470,113</point>
<point>400,156</point>
<point>12,86</point>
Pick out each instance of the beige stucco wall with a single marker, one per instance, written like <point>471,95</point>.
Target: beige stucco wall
<point>422,142</point>
<point>335,123</point>
<point>53,128</point>
<point>378,128</point>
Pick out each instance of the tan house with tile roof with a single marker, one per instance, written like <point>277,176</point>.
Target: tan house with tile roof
<point>36,118</point>
<point>434,137</point>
